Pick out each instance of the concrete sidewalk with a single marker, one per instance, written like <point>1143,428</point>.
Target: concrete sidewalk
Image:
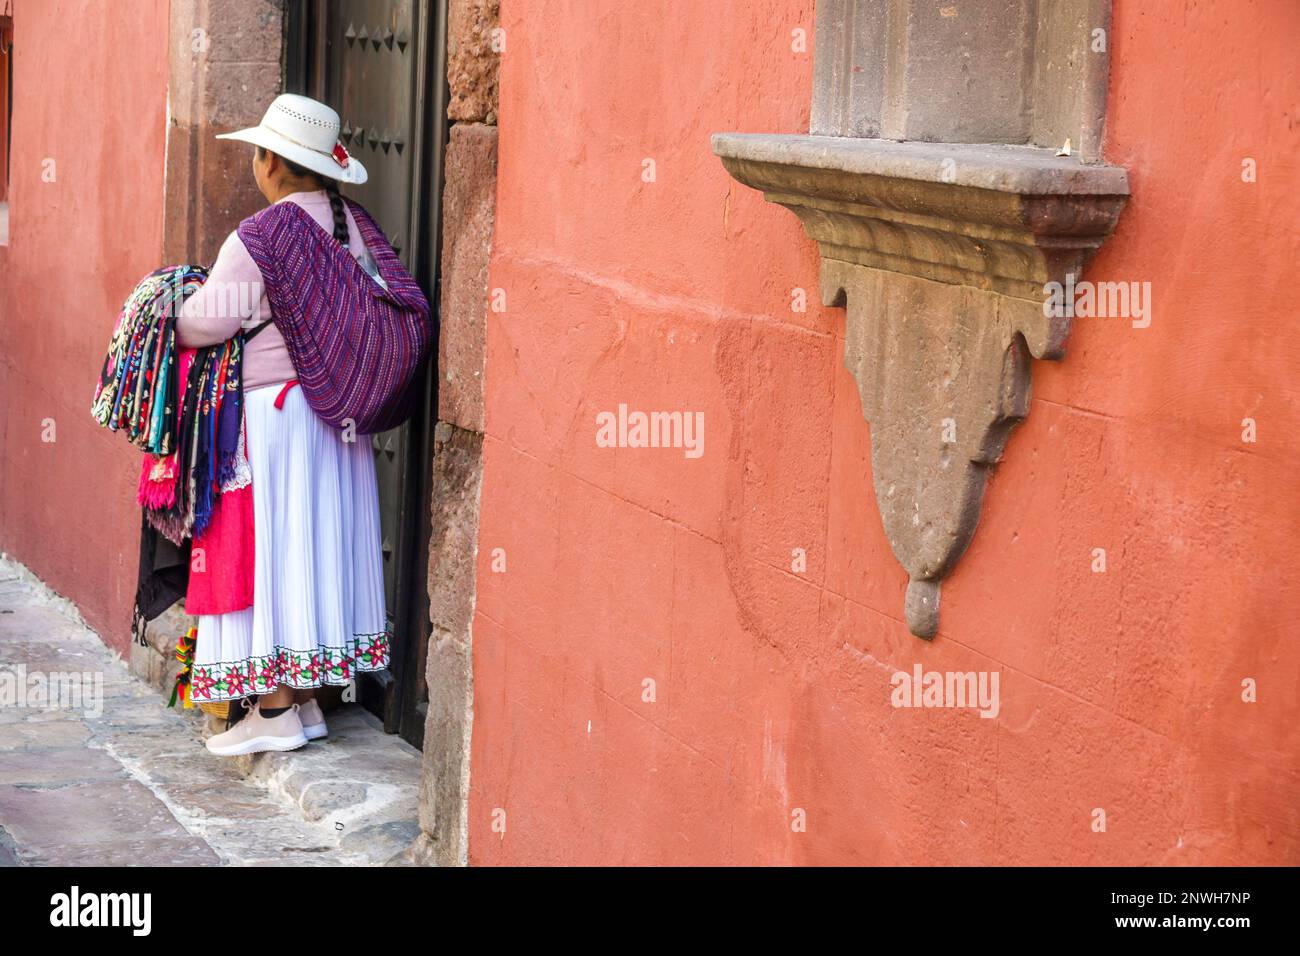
<point>120,779</point>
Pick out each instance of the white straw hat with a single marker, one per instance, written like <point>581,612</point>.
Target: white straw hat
<point>305,132</point>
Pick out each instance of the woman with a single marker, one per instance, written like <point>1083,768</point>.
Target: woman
<point>317,614</point>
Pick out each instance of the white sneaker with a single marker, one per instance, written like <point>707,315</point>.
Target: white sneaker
<point>256,733</point>
<point>313,720</point>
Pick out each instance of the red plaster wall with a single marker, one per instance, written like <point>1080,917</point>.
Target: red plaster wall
<point>90,93</point>
<point>1120,690</point>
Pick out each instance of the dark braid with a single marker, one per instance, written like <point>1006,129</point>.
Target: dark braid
<point>340,217</point>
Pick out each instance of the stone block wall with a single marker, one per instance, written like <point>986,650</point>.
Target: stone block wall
<point>225,61</point>
<point>468,218</point>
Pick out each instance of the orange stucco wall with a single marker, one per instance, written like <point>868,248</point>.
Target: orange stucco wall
<point>1119,690</point>
<point>77,246</point>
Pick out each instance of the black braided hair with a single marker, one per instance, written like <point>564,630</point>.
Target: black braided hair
<point>330,186</point>
<point>336,206</point>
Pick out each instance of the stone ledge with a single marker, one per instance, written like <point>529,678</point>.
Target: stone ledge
<point>1005,219</point>
<point>1027,170</point>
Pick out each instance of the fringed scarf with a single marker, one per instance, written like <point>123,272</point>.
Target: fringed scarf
<point>217,423</point>
<point>136,392</point>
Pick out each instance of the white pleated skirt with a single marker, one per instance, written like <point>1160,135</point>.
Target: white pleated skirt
<point>318,612</point>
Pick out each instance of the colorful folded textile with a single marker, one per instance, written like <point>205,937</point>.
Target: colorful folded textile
<point>137,384</point>
<point>179,491</point>
<point>158,476</point>
<point>219,415</point>
<point>184,409</point>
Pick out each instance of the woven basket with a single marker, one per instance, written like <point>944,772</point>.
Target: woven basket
<point>217,708</point>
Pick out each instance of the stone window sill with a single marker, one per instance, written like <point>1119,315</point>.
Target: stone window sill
<point>943,255</point>
<point>1028,170</point>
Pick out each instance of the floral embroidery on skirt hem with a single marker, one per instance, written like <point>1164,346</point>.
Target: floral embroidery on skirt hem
<point>302,670</point>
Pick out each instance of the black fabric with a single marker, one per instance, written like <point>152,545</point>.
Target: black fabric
<point>163,579</point>
<point>255,330</point>
<point>272,711</point>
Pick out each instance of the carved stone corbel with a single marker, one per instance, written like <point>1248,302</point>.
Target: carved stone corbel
<point>942,255</point>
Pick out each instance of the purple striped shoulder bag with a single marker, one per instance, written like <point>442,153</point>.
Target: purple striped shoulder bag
<point>357,347</point>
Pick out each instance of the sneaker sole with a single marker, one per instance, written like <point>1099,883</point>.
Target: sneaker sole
<point>256,745</point>
<point>315,731</point>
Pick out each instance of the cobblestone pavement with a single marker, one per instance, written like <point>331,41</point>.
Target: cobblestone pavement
<point>122,779</point>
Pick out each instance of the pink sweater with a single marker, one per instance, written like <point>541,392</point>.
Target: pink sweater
<point>232,296</point>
